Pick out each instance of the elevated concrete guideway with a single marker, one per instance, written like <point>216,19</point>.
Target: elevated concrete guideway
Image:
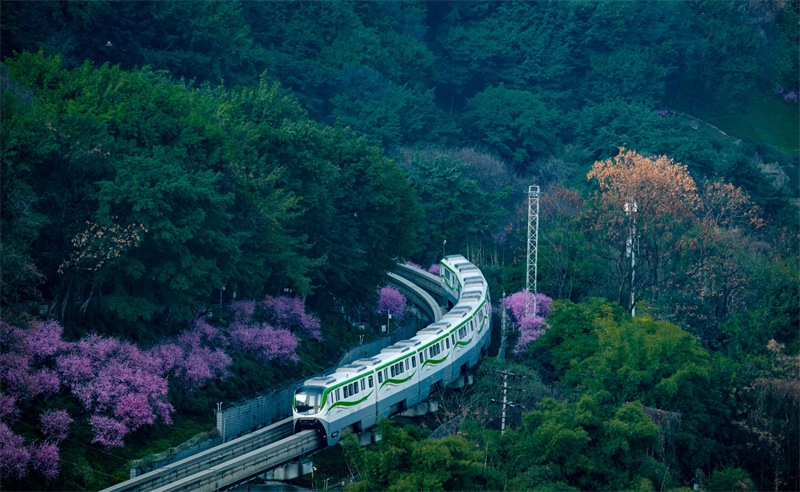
<point>417,296</point>
<point>255,453</point>
<point>207,459</point>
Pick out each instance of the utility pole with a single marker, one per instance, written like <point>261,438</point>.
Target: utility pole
<point>505,401</point>
<point>533,246</point>
<point>503,332</point>
<point>630,249</point>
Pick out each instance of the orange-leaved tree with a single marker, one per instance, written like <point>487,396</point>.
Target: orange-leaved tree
<point>642,205</point>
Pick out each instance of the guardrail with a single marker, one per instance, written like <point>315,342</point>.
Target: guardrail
<point>207,459</point>
<point>249,465</point>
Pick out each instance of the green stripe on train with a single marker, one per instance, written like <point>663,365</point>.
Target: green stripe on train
<point>464,342</point>
<point>349,403</point>
<point>397,381</point>
<point>435,361</point>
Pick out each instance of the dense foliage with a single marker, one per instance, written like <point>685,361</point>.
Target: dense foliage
<point>167,163</point>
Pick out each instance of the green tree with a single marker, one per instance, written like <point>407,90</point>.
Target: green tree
<point>586,444</point>
<point>601,353</point>
<point>404,460</point>
<point>387,113</point>
<point>517,124</point>
<point>454,206</point>
<point>716,53</point>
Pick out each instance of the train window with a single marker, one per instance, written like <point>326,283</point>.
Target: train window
<point>370,382</point>
<point>408,364</point>
<point>401,370</point>
<point>346,391</point>
<point>307,399</point>
<point>391,369</point>
<point>447,341</point>
<point>338,397</point>
<point>355,388</point>
<point>363,385</point>
<point>413,361</point>
<point>386,374</point>
<point>453,339</point>
<point>380,377</point>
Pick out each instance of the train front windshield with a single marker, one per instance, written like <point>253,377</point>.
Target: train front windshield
<point>307,400</point>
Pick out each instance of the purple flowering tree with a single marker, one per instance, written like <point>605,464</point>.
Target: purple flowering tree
<point>434,269</point>
<point>26,359</point>
<point>289,313</point>
<point>8,408</point>
<point>117,384</point>
<point>44,339</point>
<point>532,326</point>
<point>45,458</point>
<point>243,310</point>
<point>14,455</point>
<point>108,431</point>
<point>390,300</point>
<point>194,357</point>
<point>267,344</point>
<point>55,424</point>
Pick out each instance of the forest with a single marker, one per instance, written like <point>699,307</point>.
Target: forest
<point>197,197</point>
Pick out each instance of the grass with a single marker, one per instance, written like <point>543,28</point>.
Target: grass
<point>765,118</point>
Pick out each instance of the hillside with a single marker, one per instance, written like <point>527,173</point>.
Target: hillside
<point>207,181</point>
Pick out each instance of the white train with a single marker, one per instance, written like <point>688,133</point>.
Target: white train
<point>356,395</point>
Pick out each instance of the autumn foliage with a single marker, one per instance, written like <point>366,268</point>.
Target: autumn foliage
<point>686,241</point>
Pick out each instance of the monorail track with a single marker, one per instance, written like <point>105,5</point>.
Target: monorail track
<point>211,458</point>
<point>248,465</point>
<point>250,455</point>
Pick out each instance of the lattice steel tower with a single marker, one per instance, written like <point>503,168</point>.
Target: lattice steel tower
<point>533,246</point>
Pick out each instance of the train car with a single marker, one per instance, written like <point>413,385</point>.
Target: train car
<point>404,374</point>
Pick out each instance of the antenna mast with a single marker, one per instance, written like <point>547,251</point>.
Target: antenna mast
<point>533,245</point>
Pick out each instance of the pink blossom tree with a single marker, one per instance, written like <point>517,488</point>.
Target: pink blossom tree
<point>44,458</point>
<point>8,408</point>
<point>14,455</point>
<point>289,313</point>
<point>108,432</point>
<point>267,344</point>
<point>194,357</point>
<point>531,327</point>
<point>243,310</point>
<point>434,269</point>
<point>26,359</point>
<point>55,424</point>
<point>390,300</point>
<point>117,384</point>
<point>44,339</point>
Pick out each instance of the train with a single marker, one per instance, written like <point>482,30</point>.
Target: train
<point>403,375</point>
